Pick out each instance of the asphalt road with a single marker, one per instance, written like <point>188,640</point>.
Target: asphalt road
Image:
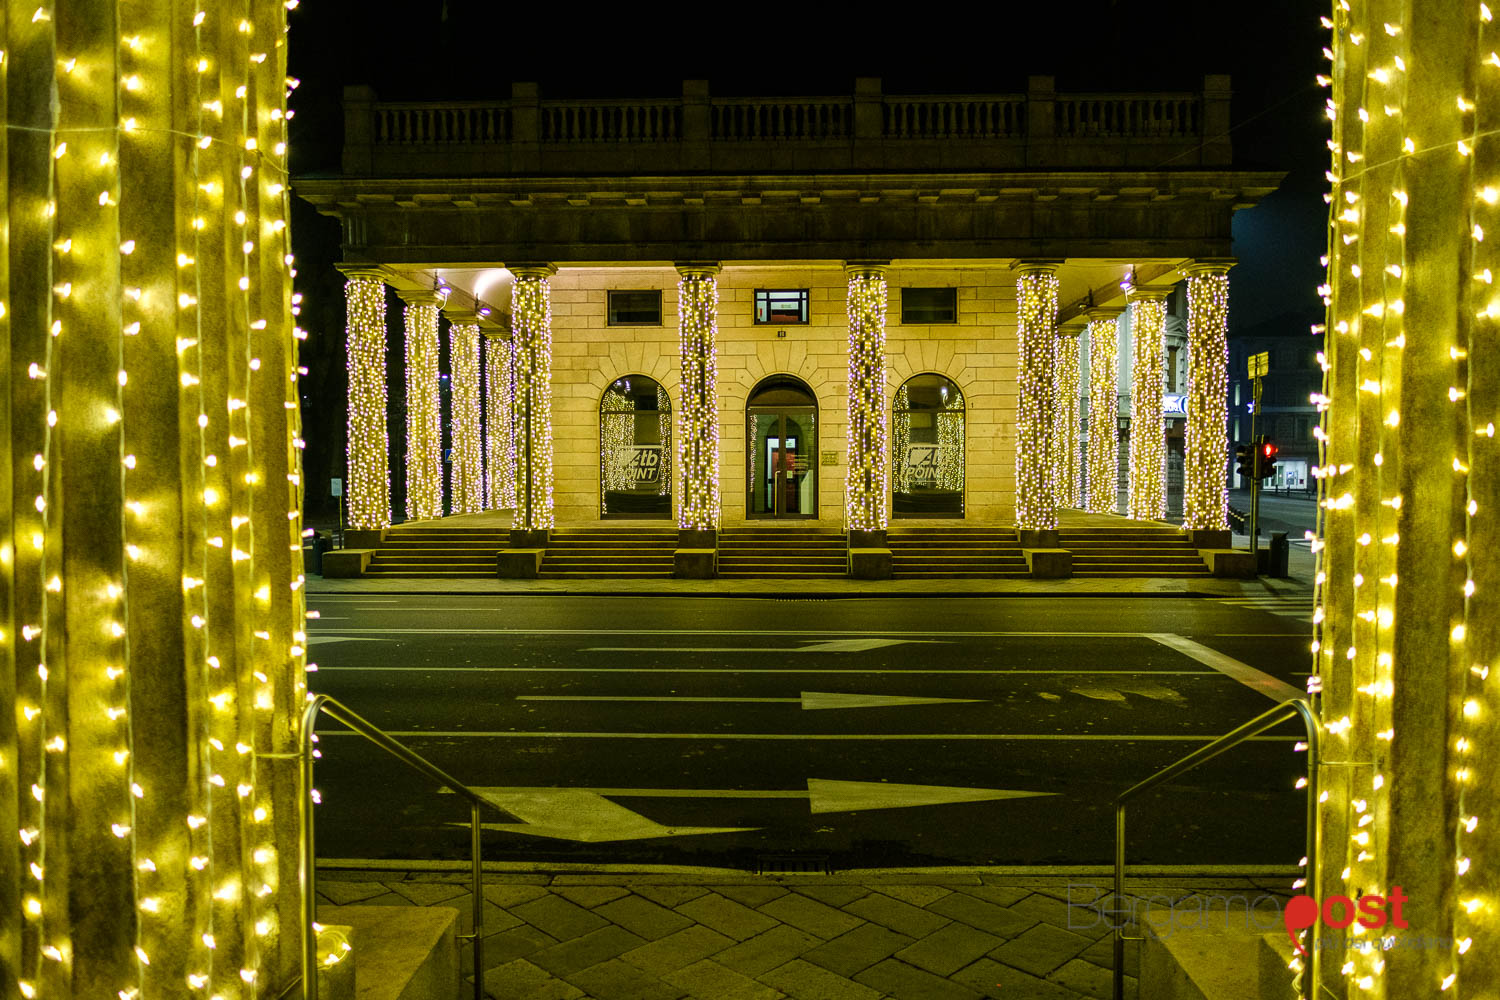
<point>744,732</point>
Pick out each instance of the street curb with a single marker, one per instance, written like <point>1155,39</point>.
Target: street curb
<point>805,596</point>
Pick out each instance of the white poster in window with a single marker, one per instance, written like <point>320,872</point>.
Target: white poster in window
<point>923,462</point>
<point>636,466</point>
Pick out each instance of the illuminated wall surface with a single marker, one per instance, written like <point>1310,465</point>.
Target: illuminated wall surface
<point>698,442</point>
<point>1065,467</point>
<point>152,609</point>
<point>1148,446</point>
<point>424,420</point>
<point>1408,607</point>
<point>531,323</point>
<point>1036,305</point>
<point>466,469</point>
<point>865,485</point>
<point>1103,448</point>
<point>499,412</point>
<point>1205,496</point>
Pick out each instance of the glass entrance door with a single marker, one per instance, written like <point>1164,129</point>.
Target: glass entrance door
<point>783,450</point>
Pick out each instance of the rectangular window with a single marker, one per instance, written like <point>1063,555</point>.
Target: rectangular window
<point>635,308</point>
<point>781,305</point>
<point>920,306</point>
<point>1171,369</point>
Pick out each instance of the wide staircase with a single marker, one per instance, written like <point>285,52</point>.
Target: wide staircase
<point>448,553</point>
<point>945,553</point>
<point>623,552</point>
<point>793,553</point>
<point>1131,551</point>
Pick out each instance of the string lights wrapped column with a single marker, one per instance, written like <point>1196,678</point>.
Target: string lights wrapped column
<point>1036,302</point>
<point>1205,494</point>
<point>154,646</point>
<point>368,488</point>
<point>424,416</point>
<point>1065,465</point>
<point>1148,446</point>
<point>466,470</point>
<point>865,489</point>
<point>500,410</point>
<point>531,326</point>
<point>1406,632</point>
<point>698,435</point>
<point>1104,404</point>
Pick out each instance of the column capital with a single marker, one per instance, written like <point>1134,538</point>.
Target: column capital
<point>866,268</point>
<point>1037,265</point>
<point>1205,267</point>
<point>362,272</point>
<point>1147,293</point>
<point>1073,328</point>
<point>420,297</point>
<point>698,269</point>
<point>532,271</point>
<point>457,315</point>
<point>1097,313</point>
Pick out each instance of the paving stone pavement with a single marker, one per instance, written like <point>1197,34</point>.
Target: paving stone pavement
<point>897,936</point>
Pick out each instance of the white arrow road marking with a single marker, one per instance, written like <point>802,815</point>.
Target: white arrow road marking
<point>829,646</point>
<point>809,700</point>
<point>1257,680</point>
<point>586,815</point>
<point>314,639</point>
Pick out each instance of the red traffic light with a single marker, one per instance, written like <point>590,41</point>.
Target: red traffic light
<point>1268,449</point>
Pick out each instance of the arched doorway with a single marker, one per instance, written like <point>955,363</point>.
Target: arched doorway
<point>782,445</point>
<point>927,448</point>
<point>635,449</point>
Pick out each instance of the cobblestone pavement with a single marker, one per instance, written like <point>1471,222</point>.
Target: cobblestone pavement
<point>906,937</point>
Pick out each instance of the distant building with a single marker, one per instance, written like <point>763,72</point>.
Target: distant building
<point>1287,414</point>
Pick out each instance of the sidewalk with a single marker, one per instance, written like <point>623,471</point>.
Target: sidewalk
<point>859,936</point>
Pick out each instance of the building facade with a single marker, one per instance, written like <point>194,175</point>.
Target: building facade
<point>851,311</point>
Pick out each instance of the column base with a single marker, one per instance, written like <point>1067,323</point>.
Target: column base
<point>695,563</point>
<point>363,538</point>
<point>867,539</point>
<point>1210,538</point>
<point>529,538</point>
<point>518,563</point>
<point>1037,538</point>
<point>697,538</point>
<point>869,563</point>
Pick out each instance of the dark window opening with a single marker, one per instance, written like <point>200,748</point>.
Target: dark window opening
<point>783,305</point>
<point>920,306</point>
<point>635,308</point>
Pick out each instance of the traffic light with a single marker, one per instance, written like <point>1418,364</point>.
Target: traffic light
<point>1265,458</point>
<point>1244,458</point>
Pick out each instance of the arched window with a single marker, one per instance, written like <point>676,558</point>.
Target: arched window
<point>927,448</point>
<point>635,449</point>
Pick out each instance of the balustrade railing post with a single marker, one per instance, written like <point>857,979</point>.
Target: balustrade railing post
<point>1041,120</point>
<point>1213,121</point>
<point>525,127</point>
<point>359,131</point>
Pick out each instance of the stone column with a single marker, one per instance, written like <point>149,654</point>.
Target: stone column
<point>466,469</point>
<point>424,416</point>
<point>1148,446</point>
<point>1205,490</point>
<point>500,409</point>
<point>866,490</point>
<point>531,325</point>
<point>154,663</point>
<point>1104,404</point>
<point>367,484</point>
<point>1036,309</point>
<point>698,420</point>
<point>1065,465</point>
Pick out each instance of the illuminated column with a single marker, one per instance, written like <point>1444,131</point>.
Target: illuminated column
<point>1148,446</point>
<point>865,488</point>
<point>531,326</point>
<point>424,417</point>
<point>367,489</point>
<point>500,408</point>
<point>1406,635</point>
<point>698,436</point>
<point>151,553</point>
<point>1104,380</point>
<point>1205,493</point>
<point>466,470</point>
<point>1065,465</point>
<point>1036,307</point>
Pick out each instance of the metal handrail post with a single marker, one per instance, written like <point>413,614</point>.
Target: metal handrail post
<point>306,863</point>
<point>1312,970</point>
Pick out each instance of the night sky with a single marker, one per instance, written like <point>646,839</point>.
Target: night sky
<point>473,49</point>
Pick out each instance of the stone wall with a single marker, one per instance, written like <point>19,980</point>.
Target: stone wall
<point>978,353</point>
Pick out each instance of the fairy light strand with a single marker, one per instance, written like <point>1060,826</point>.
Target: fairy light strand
<point>866,472</point>
<point>1102,476</point>
<point>1205,496</point>
<point>1148,451</point>
<point>1036,300</point>
<point>531,320</point>
<point>698,420</point>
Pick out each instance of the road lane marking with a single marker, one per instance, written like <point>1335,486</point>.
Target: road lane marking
<point>884,633</point>
<point>809,700</point>
<point>957,737</point>
<point>315,638</point>
<point>587,816</point>
<point>1256,680</point>
<point>758,670</point>
<point>828,646</point>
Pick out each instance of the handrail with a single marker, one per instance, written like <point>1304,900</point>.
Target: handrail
<point>1311,970</point>
<point>342,713</point>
